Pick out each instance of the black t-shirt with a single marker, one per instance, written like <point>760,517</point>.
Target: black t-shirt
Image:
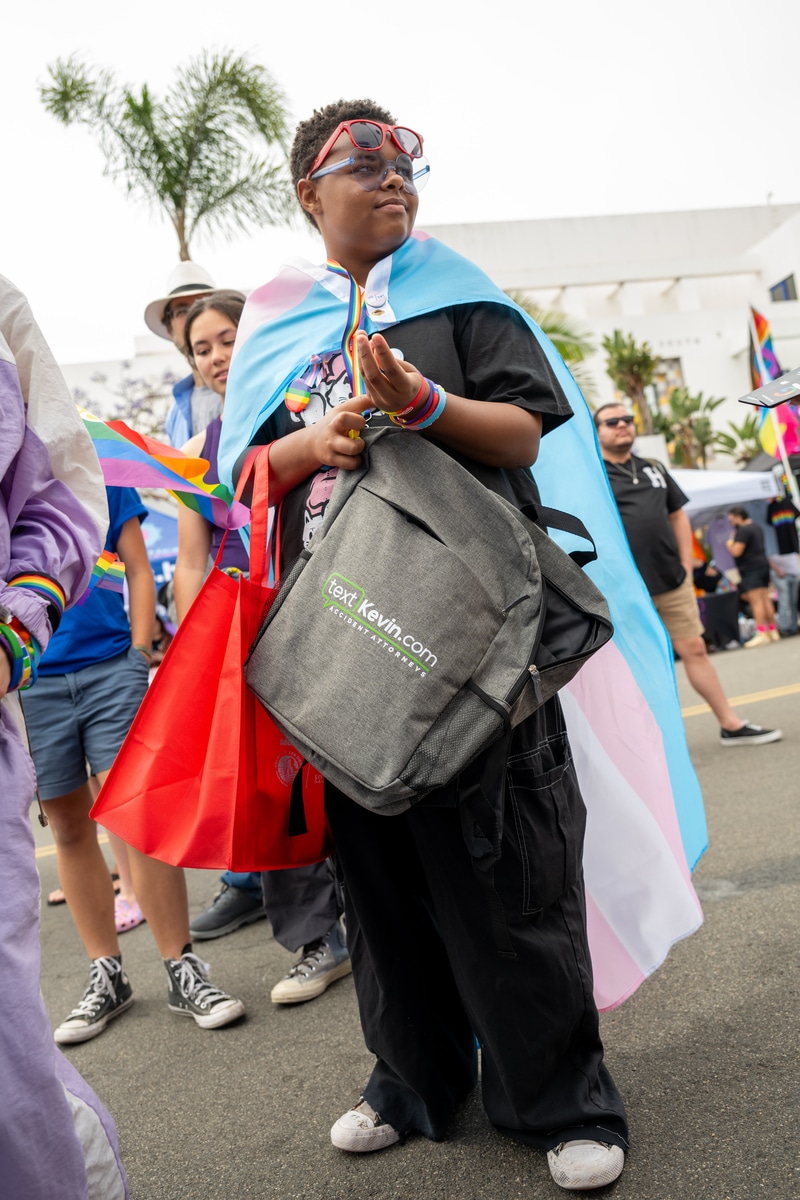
<point>645,507</point>
<point>482,351</point>
<point>782,515</point>
<point>753,556</point>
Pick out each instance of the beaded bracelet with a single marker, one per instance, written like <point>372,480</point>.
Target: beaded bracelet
<point>23,652</point>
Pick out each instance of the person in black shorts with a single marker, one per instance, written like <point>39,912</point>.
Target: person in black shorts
<point>651,507</point>
<point>746,544</point>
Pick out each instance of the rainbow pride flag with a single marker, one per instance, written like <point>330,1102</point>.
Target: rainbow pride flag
<point>764,367</point>
<point>129,459</point>
<point>108,573</point>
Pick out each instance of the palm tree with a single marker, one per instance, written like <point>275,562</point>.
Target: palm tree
<point>571,342</point>
<point>191,154</point>
<point>743,444</point>
<point>631,369</point>
<point>687,426</point>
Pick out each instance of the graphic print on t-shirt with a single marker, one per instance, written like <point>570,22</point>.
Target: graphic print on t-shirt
<point>328,386</point>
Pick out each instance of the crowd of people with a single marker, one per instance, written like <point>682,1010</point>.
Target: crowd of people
<point>401,907</point>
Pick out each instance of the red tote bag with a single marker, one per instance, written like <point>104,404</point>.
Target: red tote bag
<point>204,777</point>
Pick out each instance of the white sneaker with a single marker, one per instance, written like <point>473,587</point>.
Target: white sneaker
<point>321,964</point>
<point>582,1165</point>
<point>362,1129</point>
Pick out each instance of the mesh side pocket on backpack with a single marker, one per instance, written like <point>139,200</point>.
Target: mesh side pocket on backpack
<point>465,727</point>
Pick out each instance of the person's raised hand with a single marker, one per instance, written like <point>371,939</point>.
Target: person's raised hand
<point>390,384</point>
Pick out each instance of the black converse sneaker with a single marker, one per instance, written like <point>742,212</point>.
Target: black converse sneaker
<point>108,994</point>
<point>749,735</point>
<point>191,994</point>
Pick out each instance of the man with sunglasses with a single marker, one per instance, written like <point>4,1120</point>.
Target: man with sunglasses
<point>651,504</point>
<point>195,405</point>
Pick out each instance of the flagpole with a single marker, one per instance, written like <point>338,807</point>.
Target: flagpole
<point>790,478</point>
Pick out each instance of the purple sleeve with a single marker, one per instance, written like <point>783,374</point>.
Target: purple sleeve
<point>44,530</point>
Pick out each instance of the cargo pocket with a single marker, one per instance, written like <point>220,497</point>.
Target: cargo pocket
<point>543,828</point>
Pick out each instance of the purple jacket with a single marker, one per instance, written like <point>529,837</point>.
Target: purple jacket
<point>44,530</point>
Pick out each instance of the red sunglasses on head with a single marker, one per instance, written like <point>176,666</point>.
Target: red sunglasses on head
<point>371,135</point>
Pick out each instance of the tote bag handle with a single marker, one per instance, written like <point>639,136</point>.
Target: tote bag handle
<point>261,538</point>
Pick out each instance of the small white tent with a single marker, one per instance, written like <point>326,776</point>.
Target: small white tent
<point>710,491</point>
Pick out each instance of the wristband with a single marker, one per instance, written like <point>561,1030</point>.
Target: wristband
<point>143,649</point>
<point>23,652</point>
<point>429,411</point>
<point>403,412</point>
<point>50,589</point>
<point>439,409</point>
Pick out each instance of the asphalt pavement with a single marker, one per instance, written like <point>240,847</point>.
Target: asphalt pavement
<point>705,1052</point>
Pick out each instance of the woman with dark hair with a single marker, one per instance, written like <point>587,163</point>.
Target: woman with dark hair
<point>466,371</point>
<point>302,904</point>
<point>210,333</point>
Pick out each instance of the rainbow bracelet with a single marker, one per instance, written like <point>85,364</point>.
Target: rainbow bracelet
<point>23,652</point>
<point>50,589</point>
<point>429,411</point>
<point>437,412</point>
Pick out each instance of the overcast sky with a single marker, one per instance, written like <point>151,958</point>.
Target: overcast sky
<point>528,109</point>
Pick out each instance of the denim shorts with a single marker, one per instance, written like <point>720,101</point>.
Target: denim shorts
<point>82,717</point>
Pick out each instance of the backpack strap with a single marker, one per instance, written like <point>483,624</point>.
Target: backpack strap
<point>554,518</point>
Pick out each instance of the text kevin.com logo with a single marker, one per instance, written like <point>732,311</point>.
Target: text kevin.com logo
<point>351,601</point>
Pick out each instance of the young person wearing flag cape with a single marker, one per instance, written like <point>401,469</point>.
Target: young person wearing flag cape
<point>466,370</point>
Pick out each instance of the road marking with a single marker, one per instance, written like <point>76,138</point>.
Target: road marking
<point>49,851</point>
<point>791,689</point>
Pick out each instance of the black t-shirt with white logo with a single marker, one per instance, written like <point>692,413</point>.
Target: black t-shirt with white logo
<point>645,507</point>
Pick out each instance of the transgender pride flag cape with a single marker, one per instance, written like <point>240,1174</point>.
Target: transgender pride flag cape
<point>646,827</point>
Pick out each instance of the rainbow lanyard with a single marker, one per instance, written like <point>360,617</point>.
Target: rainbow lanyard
<point>355,321</point>
<point>298,394</point>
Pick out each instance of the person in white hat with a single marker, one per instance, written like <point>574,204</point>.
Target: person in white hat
<point>194,404</point>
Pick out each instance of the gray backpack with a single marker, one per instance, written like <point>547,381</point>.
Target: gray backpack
<point>427,618</point>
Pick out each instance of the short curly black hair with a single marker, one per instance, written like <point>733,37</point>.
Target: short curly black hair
<point>311,135</point>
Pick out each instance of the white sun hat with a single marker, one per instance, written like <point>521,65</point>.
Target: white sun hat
<point>186,280</point>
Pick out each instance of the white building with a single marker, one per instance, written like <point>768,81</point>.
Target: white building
<point>682,281</point>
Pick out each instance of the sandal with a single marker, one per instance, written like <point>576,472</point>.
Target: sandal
<point>127,914</point>
<point>57,895</point>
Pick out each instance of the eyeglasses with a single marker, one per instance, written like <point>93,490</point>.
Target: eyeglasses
<point>614,421</point>
<point>171,313</point>
<point>370,170</point>
<point>371,135</point>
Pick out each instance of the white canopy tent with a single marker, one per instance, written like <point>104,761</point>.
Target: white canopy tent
<point>710,491</point>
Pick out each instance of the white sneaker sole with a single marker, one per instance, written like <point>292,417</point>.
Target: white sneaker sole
<point>222,1014</point>
<point>295,991</point>
<point>66,1035</point>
